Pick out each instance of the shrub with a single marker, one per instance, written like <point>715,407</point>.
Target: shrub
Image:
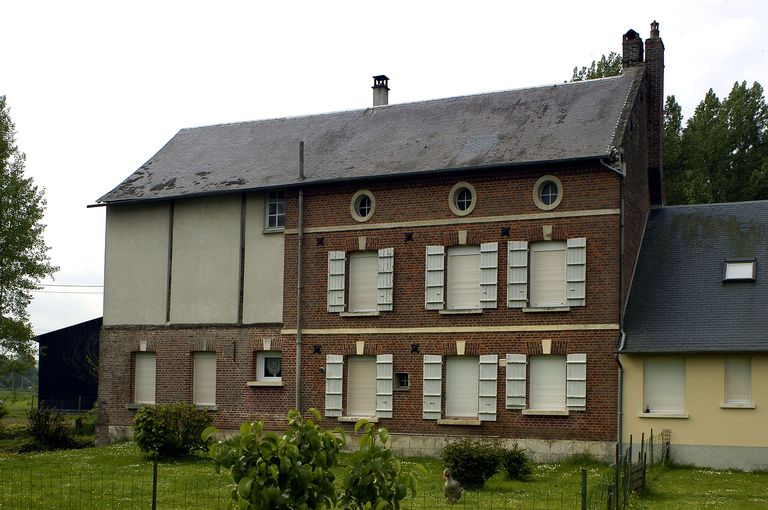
<point>375,478</point>
<point>170,430</point>
<point>280,472</point>
<point>13,431</point>
<point>48,428</point>
<point>472,461</point>
<point>3,409</point>
<point>516,463</point>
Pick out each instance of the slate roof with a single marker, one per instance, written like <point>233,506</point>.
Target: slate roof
<point>679,302</point>
<point>567,121</point>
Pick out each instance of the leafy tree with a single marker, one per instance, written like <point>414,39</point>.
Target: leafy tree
<point>23,254</point>
<point>603,68</point>
<point>721,155</point>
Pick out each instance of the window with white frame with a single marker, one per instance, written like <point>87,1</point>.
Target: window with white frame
<point>275,211</point>
<point>558,273</point>
<point>470,387</point>
<point>369,386</point>
<point>557,383</point>
<point>204,378</point>
<point>738,381</point>
<point>664,385</point>
<point>739,270</point>
<point>468,282</point>
<point>371,281</point>
<point>144,377</point>
<point>462,199</point>
<point>362,206</point>
<point>269,366</point>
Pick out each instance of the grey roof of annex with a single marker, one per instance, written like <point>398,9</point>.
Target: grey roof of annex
<point>568,121</point>
<point>679,301</point>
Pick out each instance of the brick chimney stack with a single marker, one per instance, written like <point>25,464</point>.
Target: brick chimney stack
<point>632,49</point>
<point>654,70</point>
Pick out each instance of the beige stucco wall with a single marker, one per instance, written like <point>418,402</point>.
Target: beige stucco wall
<point>206,260</point>
<point>707,424</point>
<point>136,264</point>
<point>263,279</point>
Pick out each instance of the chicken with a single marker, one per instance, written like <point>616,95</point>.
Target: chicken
<point>451,488</point>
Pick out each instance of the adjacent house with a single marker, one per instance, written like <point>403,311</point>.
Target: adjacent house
<point>68,366</point>
<point>447,267</point>
<point>696,348</point>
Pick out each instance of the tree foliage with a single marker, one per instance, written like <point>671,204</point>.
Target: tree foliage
<point>721,154</point>
<point>603,68</point>
<point>23,254</point>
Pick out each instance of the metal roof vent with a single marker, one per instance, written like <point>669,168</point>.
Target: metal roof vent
<point>380,90</point>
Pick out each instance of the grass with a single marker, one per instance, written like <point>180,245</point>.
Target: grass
<point>688,487</point>
<point>17,405</point>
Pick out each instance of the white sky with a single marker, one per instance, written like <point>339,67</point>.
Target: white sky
<point>96,88</point>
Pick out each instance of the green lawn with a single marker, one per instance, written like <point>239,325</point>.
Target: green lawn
<point>17,405</point>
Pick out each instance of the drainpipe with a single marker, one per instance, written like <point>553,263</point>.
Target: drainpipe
<point>620,339</point>
<point>299,278</point>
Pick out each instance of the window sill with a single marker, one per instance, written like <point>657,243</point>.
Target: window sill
<point>676,416</point>
<point>206,407</point>
<point>468,311</point>
<point>355,419</point>
<point>138,405</point>
<point>264,383</point>
<point>744,405</point>
<point>546,309</point>
<point>277,230</point>
<point>472,422</point>
<point>372,313</point>
<point>546,412</point>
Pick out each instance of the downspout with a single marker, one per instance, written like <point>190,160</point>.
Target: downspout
<point>299,278</point>
<point>620,339</point>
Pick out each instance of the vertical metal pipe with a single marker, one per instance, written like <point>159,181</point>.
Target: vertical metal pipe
<point>299,277</point>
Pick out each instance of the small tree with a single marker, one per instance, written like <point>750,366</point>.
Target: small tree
<point>375,479</point>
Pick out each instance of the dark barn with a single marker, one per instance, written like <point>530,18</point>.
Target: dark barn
<point>68,367</point>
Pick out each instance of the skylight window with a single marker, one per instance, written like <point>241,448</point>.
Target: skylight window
<point>739,270</point>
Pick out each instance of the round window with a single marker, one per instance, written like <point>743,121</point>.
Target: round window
<point>362,206</point>
<point>462,199</point>
<point>547,192</point>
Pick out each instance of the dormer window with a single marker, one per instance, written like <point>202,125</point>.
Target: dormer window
<point>740,270</point>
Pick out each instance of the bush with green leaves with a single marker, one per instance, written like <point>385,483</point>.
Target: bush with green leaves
<point>472,461</point>
<point>48,428</point>
<point>375,479</point>
<point>3,409</point>
<point>516,463</point>
<point>13,431</point>
<point>292,471</point>
<point>170,430</point>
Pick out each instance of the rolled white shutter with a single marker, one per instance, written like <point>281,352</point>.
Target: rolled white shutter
<point>461,386</point>
<point>516,364</point>
<point>334,373</point>
<point>548,382</point>
<point>361,386</point>
<point>434,277</point>
<point>576,271</point>
<point>576,382</point>
<point>463,277</point>
<point>664,385</point>
<point>204,384</point>
<point>548,274</point>
<point>363,281</point>
<point>336,266</point>
<point>517,274</point>
<point>432,386</point>
<point>488,387</point>
<point>384,375</point>
<point>385,281</point>
<point>489,262</point>
<point>145,378</point>
<point>738,381</point>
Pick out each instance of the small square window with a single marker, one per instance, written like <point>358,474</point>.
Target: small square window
<point>739,270</point>
<point>402,381</point>
<point>269,366</point>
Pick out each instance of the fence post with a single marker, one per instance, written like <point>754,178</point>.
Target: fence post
<point>583,488</point>
<point>610,496</point>
<point>650,446</point>
<point>154,483</point>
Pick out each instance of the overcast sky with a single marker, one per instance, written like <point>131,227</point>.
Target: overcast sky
<point>96,88</point>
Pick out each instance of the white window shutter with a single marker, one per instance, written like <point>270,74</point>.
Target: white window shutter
<point>487,389</point>
<point>384,385</point>
<point>385,281</point>
<point>337,261</point>
<point>576,382</point>
<point>334,373</point>
<point>516,364</point>
<point>489,262</point>
<point>576,271</point>
<point>432,387</point>
<point>434,278</point>
<point>517,274</point>
<point>144,377</point>
<point>204,382</point>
